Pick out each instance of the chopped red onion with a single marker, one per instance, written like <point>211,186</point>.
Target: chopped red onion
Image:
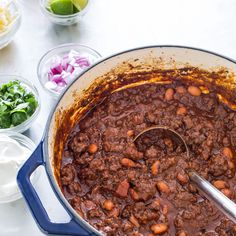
<point>64,69</point>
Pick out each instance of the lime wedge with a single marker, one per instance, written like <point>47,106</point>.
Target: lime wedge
<point>80,4</point>
<point>75,9</point>
<point>62,7</point>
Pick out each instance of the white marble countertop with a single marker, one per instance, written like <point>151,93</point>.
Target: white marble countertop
<point>110,26</point>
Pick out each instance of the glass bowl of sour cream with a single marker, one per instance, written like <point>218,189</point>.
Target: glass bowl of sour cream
<point>15,149</point>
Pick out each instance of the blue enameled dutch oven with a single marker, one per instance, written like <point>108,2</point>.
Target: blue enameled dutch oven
<point>164,57</point>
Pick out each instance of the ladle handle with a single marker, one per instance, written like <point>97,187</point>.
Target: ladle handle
<point>224,204</point>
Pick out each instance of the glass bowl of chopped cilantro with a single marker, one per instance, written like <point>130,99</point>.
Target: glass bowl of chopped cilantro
<point>64,12</point>
<point>19,103</point>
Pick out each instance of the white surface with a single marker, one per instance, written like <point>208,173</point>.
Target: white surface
<point>109,27</point>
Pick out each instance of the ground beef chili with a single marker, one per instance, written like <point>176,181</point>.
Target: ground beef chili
<point>121,190</point>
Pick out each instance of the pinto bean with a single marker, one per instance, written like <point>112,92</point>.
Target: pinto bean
<point>163,187</point>
<point>108,205</point>
<point>169,94</point>
<point>182,178</point>
<point>155,167</point>
<point>194,91</point>
<point>228,152</point>
<point>182,233</point>
<point>130,133</point>
<point>220,184</point>
<point>127,162</point>
<point>92,148</point>
<point>181,111</point>
<point>227,192</point>
<point>159,228</point>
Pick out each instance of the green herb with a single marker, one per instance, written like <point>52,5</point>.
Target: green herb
<point>16,104</point>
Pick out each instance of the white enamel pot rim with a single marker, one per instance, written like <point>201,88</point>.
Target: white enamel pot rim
<point>202,57</point>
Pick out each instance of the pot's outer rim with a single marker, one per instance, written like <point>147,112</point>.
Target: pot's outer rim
<point>49,170</point>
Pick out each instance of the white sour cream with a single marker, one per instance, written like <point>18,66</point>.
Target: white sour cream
<point>12,156</point>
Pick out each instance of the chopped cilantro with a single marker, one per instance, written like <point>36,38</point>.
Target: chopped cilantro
<point>16,104</point>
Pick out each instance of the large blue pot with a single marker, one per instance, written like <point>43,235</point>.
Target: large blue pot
<point>155,56</point>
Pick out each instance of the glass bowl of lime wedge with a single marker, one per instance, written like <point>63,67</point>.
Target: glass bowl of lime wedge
<point>64,12</point>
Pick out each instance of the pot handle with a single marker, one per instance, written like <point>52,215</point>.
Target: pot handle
<point>38,211</point>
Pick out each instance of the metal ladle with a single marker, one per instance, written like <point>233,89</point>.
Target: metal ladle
<point>223,203</point>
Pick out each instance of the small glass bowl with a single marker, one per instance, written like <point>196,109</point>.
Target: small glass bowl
<point>30,87</point>
<point>63,19</point>
<point>25,142</point>
<point>43,66</point>
<point>7,35</point>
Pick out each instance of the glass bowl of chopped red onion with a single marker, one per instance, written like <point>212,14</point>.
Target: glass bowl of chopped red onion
<point>60,66</point>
